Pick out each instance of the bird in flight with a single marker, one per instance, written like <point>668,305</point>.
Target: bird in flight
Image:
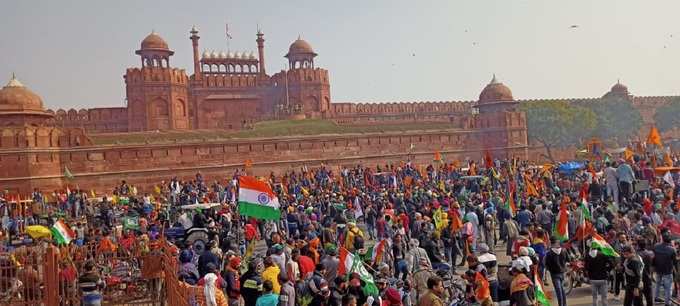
<point>573,26</point>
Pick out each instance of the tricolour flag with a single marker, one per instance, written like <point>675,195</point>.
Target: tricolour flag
<point>349,263</point>
<point>561,227</point>
<point>602,245</point>
<point>585,211</point>
<point>256,199</point>
<point>61,233</point>
<point>541,296</point>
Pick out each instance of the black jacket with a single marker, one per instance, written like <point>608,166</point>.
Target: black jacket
<point>556,263</point>
<point>664,259</point>
<point>598,267</point>
<point>251,288</point>
<point>633,272</point>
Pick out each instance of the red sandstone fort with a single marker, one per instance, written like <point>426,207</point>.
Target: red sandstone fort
<point>232,91</point>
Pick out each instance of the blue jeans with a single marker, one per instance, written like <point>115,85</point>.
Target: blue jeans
<point>402,267</point>
<point>667,282</point>
<point>92,299</point>
<point>493,287</point>
<point>557,280</point>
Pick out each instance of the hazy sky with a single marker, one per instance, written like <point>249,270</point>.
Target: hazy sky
<point>74,53</point>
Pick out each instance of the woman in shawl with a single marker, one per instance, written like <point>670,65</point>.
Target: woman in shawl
<point>213,295</point>
<point>521,287</point>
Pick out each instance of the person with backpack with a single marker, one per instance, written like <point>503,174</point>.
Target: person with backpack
<point>251,283</point>
<point>511,230</point>
<point>556,264</point>
<point>597,267</point>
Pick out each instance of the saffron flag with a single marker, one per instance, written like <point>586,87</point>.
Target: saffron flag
<point>584,230</point>
<point>668,162</point>
<point>456,222</point>
<point>628,154</point>
<point>561,227</point>
<point>256,199</point>
<point>541,296</point>
<point>62,233</point>
<point>378,251</point>
<point>654,137</point>
<point>531,189</point>
<point>510,204</point>
<point>488,160</point>
<point>602,245</point>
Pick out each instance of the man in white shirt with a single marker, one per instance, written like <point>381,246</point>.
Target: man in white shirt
<point>611,177</point>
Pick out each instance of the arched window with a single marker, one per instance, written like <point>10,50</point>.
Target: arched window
<point>213,68</point>
<point>230,68</point>
<point>160,107</point>
<point>246,69</point>
<point>147,62</point>
<point>223,68</point>
<point>155,62</point>
<point>164,63</point>
<point>206,68</point>
<point>238,69</point>
<point>253,68</point>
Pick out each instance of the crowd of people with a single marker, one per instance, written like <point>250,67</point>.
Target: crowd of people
<point>396,234</point>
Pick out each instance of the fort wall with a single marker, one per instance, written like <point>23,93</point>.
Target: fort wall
<point>100,167</point>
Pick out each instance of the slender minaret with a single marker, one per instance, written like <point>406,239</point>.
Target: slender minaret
<point>194,43</point>
<point>260,50</point>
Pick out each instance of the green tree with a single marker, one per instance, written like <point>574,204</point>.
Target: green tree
<point>617,119</point>
<point>666,117</point>
<point>558,124</point>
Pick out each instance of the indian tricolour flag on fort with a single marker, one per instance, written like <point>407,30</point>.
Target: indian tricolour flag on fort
<point>256,199</point>
<point>61,233</point>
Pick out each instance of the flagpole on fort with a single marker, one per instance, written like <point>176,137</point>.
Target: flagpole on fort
<point>226,32</point>
<point>287,94</point>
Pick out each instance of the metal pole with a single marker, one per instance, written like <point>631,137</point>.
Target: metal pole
<point>287,94</point>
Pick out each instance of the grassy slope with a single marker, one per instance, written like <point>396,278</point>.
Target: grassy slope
<point>267,129</point>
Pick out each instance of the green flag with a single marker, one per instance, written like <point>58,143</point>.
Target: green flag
<point>67,173</point>
<point>130,223</point>
<point>358,267</point>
